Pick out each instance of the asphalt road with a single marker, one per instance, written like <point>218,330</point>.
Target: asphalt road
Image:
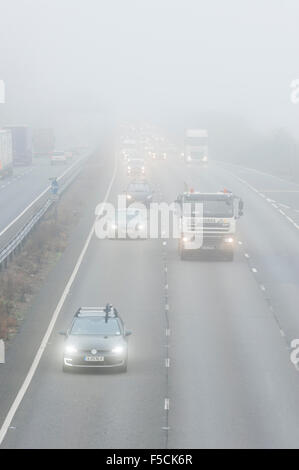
<point>20,189</point>
<point>229,381</point>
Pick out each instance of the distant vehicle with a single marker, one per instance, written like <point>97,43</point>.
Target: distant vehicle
<point>6,161</point>
<point>129,223</point>
<point>97,338</point>
<point>208,222</point>
<point>58,157</point>
<point>159,155</point>
<point>43,142</point>
<point>139,191</point>
<point>135,167</point>
<point>196,146</point>
<point>128,149</point>
<point>21,145</point>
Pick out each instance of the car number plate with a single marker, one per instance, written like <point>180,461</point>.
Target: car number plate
<point>94,358</point>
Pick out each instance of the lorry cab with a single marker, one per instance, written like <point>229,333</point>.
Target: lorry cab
<point>208,222</point>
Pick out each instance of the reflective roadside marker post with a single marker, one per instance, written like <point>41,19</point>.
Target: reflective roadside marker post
<point>2,352</point>
<point>2,92</point>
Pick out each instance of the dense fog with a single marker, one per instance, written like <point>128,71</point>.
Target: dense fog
<point>225,65</point>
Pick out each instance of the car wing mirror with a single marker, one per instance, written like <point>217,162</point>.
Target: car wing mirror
<point>62,333</point>
<point>128,333</point>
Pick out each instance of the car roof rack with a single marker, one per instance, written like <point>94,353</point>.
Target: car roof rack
<point>108,311</point>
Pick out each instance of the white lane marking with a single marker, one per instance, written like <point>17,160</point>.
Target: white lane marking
<point>280,190</point>
<point>254,270</point>
<point>167,332</point>
<point>166,286</point>
<point>262,287</point>
<point>240,243</point>
<point>166,307</point>
<point>246,255</point>
<point>166,404</point>
<point>276,206</point>
<point>167,362</point>
<point>14,407</point>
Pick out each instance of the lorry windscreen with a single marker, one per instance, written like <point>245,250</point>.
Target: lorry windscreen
<point>218,209</point>
<point>210,208</point>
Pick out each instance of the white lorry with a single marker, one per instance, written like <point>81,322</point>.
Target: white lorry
<point>208,222</point>
<point>6,155</point>
<point>196,146</point>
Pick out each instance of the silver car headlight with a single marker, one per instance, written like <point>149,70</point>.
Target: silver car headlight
<point>70,349</point>
<point>118,350</point>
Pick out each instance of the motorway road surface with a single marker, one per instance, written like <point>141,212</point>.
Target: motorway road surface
<point>26,184</point>
<point>229,381</point>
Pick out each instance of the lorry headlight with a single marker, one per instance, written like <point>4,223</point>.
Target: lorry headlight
<point>205,158</point>
<point>185,239</point>
<point>129,196</point>
<point>229,240</point>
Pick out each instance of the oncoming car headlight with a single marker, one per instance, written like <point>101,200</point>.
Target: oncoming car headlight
<point>70,349</point>
<point>118,350</point>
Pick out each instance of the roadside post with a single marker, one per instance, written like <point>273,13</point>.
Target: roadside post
<point>2,92</point>
<point>2,352</point>
<point>54,193</point>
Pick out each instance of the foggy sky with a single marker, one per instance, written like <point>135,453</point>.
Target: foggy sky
<point>91,60</point>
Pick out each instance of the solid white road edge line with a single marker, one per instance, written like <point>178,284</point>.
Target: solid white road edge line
<point>21,393</point>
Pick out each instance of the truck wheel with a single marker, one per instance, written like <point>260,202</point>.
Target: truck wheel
<point>183,254</point>
<point>229,256</point>
<point>124,367</point>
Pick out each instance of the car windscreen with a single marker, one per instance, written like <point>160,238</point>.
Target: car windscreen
<point>128,215</point>
<point>138,187</point>
<point>95,326</point>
